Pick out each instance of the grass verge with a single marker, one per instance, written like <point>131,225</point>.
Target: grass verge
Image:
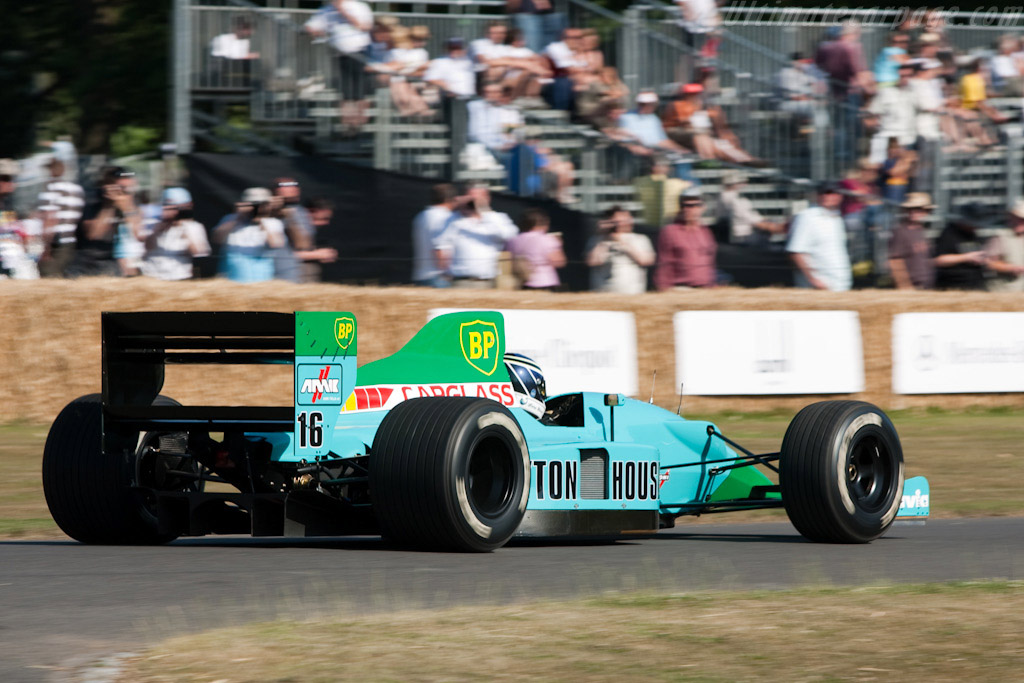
<point>916,632</point>
<point>974,461</point>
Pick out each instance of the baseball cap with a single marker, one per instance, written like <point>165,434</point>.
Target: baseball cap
<point>690,194</point>
<point>692,88</point>
<point>176,195</point>
<point>9,167</point>
<point>455,43</point>
<point>647,98</point>
<point>829,187</point>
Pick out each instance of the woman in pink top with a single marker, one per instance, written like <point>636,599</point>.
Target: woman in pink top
<point>536,252</point>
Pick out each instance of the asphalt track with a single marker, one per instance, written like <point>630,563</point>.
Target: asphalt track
<point>63,604</point>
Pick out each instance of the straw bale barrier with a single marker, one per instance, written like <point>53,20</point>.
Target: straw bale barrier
<point>50,337</point>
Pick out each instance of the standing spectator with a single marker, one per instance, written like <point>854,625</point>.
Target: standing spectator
<point>897,115</point>
<point>698,19</point>
<point>617,256</point>
<point>431,255</point>
<point>344,24</point>
<point>799,87</point>
<point>890,58</point>
<point>537,253</point>
<point>248,237</point>
<point>1006,68</point>
<point>60,209</point>
<point>910,258</point>
<point>175,240</point>
<point>105,223</point>
<point>860,208</point>
<point>298,229</point>
<point>842,60</point>
<point>1007,252</point>
<point>659,194</point>
<point>817,244</point>
<point>8,174</point>
<point>537,20</point>
<point>453,73</point>
<point>321,211</point>
<point>896,171</point>
<point>686,248</point>
<point>475,240</point>
<point>742,222</point>
<point>15,234</point>
<point>960,257</point>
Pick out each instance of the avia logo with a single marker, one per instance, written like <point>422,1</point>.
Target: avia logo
<point>479,342</point>
<point>915,501</point>
<point>322,385</point>
<point>344,331</point>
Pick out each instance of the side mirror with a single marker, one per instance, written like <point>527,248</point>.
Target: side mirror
<point>613,400</point>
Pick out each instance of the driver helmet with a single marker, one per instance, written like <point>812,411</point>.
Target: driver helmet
<point>528,388</point>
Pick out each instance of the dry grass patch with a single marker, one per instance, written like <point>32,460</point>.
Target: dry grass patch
<point>929,632</point>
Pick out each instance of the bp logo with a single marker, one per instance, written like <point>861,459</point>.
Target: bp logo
<point>345,331</point>
<point>479,342</point>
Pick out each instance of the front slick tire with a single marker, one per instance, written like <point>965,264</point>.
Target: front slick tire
<point>841,472</point>
<point>90,492</point>
<point>449,474</point>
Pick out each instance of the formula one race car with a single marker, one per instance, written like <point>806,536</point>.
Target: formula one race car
<point>450,443</point>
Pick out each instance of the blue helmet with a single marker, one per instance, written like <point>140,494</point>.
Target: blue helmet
<point>528,387</point>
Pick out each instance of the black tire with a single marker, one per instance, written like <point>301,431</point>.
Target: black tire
<point>841,472</point>
<point>90,492</point>
<point>449,474</point>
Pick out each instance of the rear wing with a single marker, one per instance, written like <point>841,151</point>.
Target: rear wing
<point>138,346</point>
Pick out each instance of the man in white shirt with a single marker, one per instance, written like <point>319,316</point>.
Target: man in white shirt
<point>483,50</point>
<point>453,73</point>
<point>476,239</point>
<point>176,239</point>
<point>430,255</point>
<point>897,115</point>
<point>345,24</point>
<point>817,244</point>
<point>60,208</point>
<point>492,120</point>
<point>618,257</point>
<point>234,45</point>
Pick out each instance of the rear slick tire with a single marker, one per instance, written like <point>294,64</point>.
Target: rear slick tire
<point>841,472</point>
<point>449,474</point>
<point>90,493</point>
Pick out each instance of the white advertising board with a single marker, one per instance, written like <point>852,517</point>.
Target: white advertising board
<point>954,353</point>
<point>578,350</point>
<point>741,353</point>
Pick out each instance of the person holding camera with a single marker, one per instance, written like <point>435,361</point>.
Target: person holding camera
<point>617,256</point>
<point>248,236</point>
<point>113,218</point>
<point>175,240</point>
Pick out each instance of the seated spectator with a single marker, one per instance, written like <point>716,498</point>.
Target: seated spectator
<point>408,57</point>
<point>973,97</point>
<point>659,193</point>
<point>817,244</point>
<point>1005,68</point>
<point>345,24</point>
<point>705,131</point>
<point>568,69</point>
<point>248,236</point>
<point>106,224</point>
<point>453,73</point>
<point>618,257</point>
<point>475,239</point>
<point>493,120</point>
<point>537,253</point>
<point>644,126</point>
<point>896,115</point>
<point>686,248</point>
<point>521,68</point>
<point>234,46</point>
<point>382,39</point>
<point>896,171</point>
<point>537,20</point>
<point>175,240</point>
<point>910,258</point>
<point>431,255</point>
<point>60,209</point>
<point>321,212</point>
<point>535,171</point>
<point>487,49</point>
<point>799,85</point>
<point>742,223</point>
<point>605,90</point>
<point>1007,253</point>
<point>890,58</point>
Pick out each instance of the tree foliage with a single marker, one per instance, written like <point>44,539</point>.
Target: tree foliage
<point>83,68</point>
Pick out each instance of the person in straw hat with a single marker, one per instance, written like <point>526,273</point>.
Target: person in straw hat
<point>1007,253</point>
<point>910,254</point>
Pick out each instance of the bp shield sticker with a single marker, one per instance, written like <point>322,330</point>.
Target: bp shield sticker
<point>479,341</point>
<point>344,331</point>
<point>318,384</point>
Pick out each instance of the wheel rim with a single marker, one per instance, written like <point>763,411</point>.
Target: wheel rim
<point>491,477</point>
<point>869,474</point>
